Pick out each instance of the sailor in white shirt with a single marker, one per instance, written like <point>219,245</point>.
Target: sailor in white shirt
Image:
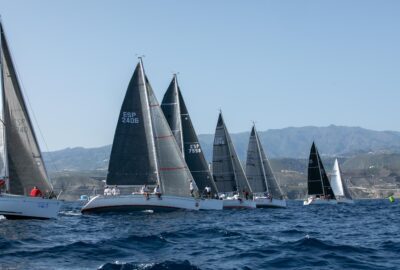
<point>207,189</point>
<point>157,191</point>
<point>191,187</point>
<point>115,191</point>
<point>107,191</point>
<point>145,191</point>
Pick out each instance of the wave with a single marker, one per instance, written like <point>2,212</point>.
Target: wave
<point>166,265</point>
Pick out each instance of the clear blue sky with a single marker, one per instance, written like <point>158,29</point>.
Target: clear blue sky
<point>279,63</point>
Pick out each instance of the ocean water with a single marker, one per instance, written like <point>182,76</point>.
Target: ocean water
<point>365,235</point>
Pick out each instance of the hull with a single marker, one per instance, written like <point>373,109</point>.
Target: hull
<point>138,202</point>
<point>268,203</point>
<point>23,207</point>
<point>211,204</point>
<point>239,204</point>
<point>318,201</point>
<point>345,200</point>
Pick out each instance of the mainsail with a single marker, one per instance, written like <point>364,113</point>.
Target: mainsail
<point>171,109</point>
<point>133,160</point>
<point>175,176</point>
<point>174,107</point>
<point>228,172</point>
<point>144,150</point>
<point>23,161</point>
<point>338,186</point>
<point>258,169</point>
<point>318,182</point>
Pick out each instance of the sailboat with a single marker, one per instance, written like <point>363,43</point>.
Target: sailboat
<point>340,189</point>
<point>21,165</point>
<point>228,172</point>
<point>266,190</point>
<point>181,125</point>
<point>319,188</point>
<point>145,152</point>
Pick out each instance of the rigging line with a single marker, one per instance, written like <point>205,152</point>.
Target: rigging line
<point>25,94</point>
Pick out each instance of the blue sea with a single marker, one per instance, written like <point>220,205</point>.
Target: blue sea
<point>365,235</point>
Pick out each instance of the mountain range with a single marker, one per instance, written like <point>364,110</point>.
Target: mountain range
<point>291,142</point>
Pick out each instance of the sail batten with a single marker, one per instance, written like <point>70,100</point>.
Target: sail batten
<point>24,161</point>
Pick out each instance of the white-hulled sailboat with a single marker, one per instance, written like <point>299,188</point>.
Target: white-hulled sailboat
<point>228,172</point>
<point>21,164</point>
<point>145,152</point>
<point>340,189</point>
<point>266,190</point>
<point>319,188</point>
<point>178,118</point>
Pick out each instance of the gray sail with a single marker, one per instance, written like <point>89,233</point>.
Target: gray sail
<point>24,159</point>
<point>255,171</point>
<point>228,172</point>
<point>176,108</point>
<point>174,174</point>
<point>258,169</point>
<point>132,160</point>
<point>171,109</point>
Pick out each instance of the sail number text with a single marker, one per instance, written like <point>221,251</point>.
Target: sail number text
<point>194,149</point>
<point>129,118</point>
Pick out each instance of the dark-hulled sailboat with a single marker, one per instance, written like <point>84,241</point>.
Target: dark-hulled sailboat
<point>21,164</point>
<point>319,188</point>
<point>178,118</point>
<point>266,190</point>
<point>145,152</point>
<point>228,172</point>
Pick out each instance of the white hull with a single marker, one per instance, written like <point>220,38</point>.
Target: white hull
<point>318,201</point>
<point>239,204</point>
<point>211,204</point>
<point>138,202</point>
<point>345,200</point>
<point>268,203</point>
<point>23,207</point>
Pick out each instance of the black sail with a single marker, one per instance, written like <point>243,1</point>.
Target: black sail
<point>132,160</point>
<point>228,172</point>
<point>24,159</point>
<point>171,109</point>
<point>193,152</point>
<point>318,182</point>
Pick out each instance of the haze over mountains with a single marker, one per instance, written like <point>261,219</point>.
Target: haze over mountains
<point>291,142</point>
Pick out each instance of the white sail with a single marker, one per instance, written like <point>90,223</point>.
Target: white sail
<point>336,180</point>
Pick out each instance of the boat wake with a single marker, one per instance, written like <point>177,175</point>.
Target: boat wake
<point>166,265</point>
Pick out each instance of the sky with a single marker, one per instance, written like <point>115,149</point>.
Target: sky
<point>277,63</point>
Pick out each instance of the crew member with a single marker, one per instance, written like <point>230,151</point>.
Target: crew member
<point>35,192</point>
<point>157,191</point>
<point>191,187</point>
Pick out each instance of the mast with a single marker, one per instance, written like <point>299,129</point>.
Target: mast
<point>148,117</point>
<point>260,157</point>
<point>319,169</point>
<point>179,114</point>
<point>3,133</point>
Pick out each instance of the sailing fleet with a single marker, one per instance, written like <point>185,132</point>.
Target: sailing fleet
<point>155,147</point>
